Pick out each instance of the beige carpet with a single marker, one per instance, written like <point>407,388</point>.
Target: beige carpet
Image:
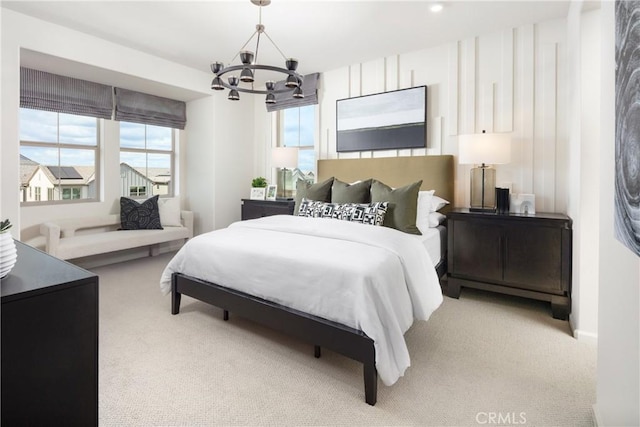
<point>484,359</point>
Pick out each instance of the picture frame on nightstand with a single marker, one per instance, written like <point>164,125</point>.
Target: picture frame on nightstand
<point>257,193</point>
<point>271,192</point>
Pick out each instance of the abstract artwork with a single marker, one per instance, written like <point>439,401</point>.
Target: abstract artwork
<point>627,138</point>
<point>384,121</point>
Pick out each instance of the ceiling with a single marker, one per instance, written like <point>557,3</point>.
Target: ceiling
<point>322,34</point>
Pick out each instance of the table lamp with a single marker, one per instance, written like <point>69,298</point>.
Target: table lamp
<point>484,149</point>
<point>284,157</point>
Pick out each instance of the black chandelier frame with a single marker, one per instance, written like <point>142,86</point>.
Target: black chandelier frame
<point>248,66</point>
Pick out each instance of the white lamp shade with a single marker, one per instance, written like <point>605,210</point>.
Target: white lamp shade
<point>284,157</point>
<point>487,148</point>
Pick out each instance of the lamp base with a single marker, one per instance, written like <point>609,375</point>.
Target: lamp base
<point>483,189</point>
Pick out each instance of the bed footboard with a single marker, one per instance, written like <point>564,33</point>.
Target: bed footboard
<point>317,331</point>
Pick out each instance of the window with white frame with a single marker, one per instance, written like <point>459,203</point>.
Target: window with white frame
<point>298,129</point>
<point>58,157</point>
<point>146,160</point>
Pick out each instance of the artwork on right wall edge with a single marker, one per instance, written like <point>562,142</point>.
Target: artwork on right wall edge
<point>627,138</point>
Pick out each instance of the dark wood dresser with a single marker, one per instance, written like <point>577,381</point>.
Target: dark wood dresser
<point>252,209</point>
<point>522,255</point>
<point>49,342</point>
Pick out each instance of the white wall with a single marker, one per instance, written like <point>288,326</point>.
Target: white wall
<point>201,134</point>
<point>583,34</point>
<point>618,375</point>
<point>509,81</point>
<point>523,81</point>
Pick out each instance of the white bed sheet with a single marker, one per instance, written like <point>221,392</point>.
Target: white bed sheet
<point>373,279</point>
<point>431,241</point>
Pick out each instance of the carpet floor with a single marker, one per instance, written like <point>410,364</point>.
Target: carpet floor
<point>483,359</point>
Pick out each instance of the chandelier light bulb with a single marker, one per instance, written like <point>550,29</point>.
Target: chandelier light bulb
<point>234,95</point>
<point>233,81</point>
<point>216,84</point>
<point>246,75</point>
<point>246,57</point>
<point>270,99</point>
<point>216,67</point>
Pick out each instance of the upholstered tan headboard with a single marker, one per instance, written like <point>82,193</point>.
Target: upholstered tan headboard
<point>436,172</point>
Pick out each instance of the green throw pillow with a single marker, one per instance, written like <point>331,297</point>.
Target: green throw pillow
<point>360,192</point>
<point>403,205</point>
<point>320,192</point>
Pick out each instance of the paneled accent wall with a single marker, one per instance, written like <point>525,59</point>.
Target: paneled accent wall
<point>511,81</point>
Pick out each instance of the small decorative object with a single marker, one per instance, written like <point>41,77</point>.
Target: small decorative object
<point>258,188</point>
<point>271,192</point>
<point>523,204</point>
<point>502,200</point>
<point>8,254</point>
<point>259,182</point>
<point>257,193</point>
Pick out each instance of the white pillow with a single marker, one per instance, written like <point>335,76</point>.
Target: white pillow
<point>438,203</point>
<point>436,218</point>
<point>169,211</point>
<point>424,207</point>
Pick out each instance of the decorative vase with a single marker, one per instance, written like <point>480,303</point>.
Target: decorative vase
<point>8,254</point>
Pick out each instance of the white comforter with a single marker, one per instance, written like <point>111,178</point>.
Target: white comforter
<point>370,278</point>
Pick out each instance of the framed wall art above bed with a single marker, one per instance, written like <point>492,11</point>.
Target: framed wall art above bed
<point>383,121</point>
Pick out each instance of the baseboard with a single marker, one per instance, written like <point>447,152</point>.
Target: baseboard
<point>596,418</point>
<point>586,337</point>
<point>583,336</point>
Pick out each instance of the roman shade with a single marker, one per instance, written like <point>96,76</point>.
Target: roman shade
<point>137,107</point>
<point>285,100</point>
<point>46,91</point>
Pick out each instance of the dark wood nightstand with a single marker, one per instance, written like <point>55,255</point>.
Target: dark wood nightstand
<point>522,255</point>
<point>258,208</point>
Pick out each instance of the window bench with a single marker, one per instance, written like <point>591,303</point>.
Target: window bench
<point>81,237</point>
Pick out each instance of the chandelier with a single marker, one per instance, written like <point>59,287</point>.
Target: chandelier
<point>250,65</point>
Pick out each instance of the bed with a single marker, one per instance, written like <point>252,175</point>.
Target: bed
<point>361,311</point>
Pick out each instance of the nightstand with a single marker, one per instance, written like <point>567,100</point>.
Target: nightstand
<point>258,208</point>
<point>523,255</point>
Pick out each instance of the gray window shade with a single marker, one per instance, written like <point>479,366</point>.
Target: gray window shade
<point>286,100</point>
<point>45,91</point>
<point>139,107</point>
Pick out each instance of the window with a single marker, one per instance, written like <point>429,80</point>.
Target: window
<point>298,129</point>
<point>146,160</point>
<point>58,156</point>
<point>137,191</point>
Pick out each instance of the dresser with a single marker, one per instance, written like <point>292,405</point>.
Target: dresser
<point>49,342</point>
<point>523,255</point>
<point>252,209</point>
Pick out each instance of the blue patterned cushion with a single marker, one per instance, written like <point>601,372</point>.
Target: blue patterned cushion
<point>365,213</point>
<point>139,216</point>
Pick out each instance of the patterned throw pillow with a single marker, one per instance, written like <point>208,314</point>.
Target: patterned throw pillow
<point>364,213</point>
<point>139,216</point>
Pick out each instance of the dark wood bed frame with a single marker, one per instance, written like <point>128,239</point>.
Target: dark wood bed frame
<point>315,330</point>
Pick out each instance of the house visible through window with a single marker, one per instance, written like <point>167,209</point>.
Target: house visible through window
<point>298,129</point>
<point>146,160</point>
<point>58,156</point>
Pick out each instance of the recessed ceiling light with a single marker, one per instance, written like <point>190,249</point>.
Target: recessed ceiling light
<point>436,7</point>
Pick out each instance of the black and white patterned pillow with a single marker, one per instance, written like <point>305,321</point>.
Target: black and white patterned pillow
<point>310,208</point>
<point>139,216</point>
<point>365,213</point>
